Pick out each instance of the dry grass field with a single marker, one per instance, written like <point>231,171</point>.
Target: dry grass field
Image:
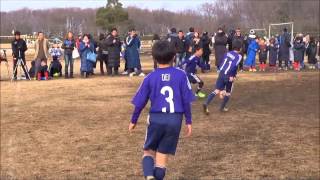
<point>77,129</point>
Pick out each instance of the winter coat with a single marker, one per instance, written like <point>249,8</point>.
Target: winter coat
<point>251,54</point>
<point>173,38</point>
<point>19,45</point>
<point>45,48</point>
<point>132,52</point>
<point>189,41</point>
<point>181,45</point>
<point>263,52</point>
<point>242,42</point>
<point>206,45</point>
<point>102,50</point>
<point>86,65</point>
<point>312,52</point>
<point>298,51</point>
<point>220,42</point>
<point>273,54</point>
<point>196,42</point>
<point>114,49</point>
<point>284,46</point>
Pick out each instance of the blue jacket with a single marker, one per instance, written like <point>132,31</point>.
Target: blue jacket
<point>86,65</point>
<point>251,54</point>
<point>132,56</point>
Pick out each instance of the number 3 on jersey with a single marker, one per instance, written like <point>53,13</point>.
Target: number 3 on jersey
<point>169,99</point>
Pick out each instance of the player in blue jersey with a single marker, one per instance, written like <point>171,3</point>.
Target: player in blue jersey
<point>171,95</point>
<point>227,75</point>
<point>191,67</point>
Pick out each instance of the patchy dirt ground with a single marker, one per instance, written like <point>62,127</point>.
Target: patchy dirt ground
<point>77,129</point>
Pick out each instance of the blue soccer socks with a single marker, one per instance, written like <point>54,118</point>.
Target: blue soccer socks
<point>148,166</point>
<point>159,173</point>
<point>210,98</point>
<point>224,102</point>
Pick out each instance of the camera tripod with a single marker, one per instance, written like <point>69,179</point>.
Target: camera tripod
<point>20,63</point>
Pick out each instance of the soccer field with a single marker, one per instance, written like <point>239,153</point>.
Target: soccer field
<point>78,129</point>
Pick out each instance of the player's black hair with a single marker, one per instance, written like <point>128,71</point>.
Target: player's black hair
<point>17,33</point>
<point>40,32</point>
<point>191,29</point>
<point>163,52</point>
<point>88,35</point>
<point>114,29</point>
<point>236,45</point>
<point>197,47</point>
<point>180,31</point>
<point>173,30</point>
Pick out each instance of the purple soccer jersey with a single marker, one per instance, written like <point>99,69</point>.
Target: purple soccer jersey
<point>192,64</point>
<point>230,64</point>
<point>168,89</point>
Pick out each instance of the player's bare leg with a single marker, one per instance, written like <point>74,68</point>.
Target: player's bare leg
<point>209,99</point>
<point>224,102</point>
<point>160,168</point>
<point>148,164</point>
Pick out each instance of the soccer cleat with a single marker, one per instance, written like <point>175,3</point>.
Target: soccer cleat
<point>250,70</point>
<point>150,178</point>
<point>205,109</point>
<point>254,70</point>
<point>142,75</point>
<point>201,95</point>
<point>132,74</point>
<point>224,110</point>
<point>125,73</point>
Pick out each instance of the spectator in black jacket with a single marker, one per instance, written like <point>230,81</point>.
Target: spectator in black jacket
<point>19,47</point>
<point>220,43</point>
<point>205,39</point>
<point>231,35</point>
<point>239,38</point>
<point>311,53</point>
<point>180,48</point>
<point>189,39</point>
<point>284,49</point>
<point>114,48</point>
<point>172,37</point>
<point>102,53</point>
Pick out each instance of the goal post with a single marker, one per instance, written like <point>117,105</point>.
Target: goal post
<point>281,24</point>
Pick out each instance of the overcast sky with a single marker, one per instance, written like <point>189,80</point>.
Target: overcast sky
<point>172,5</point>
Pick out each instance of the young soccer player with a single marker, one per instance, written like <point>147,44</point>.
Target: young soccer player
<point>43,73</point>
<point>228,72</point>
<point>191,68</point>
<point>263,54</point>
<point>251,54</point>
<point>170,94</point>
<point>55,68</point>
